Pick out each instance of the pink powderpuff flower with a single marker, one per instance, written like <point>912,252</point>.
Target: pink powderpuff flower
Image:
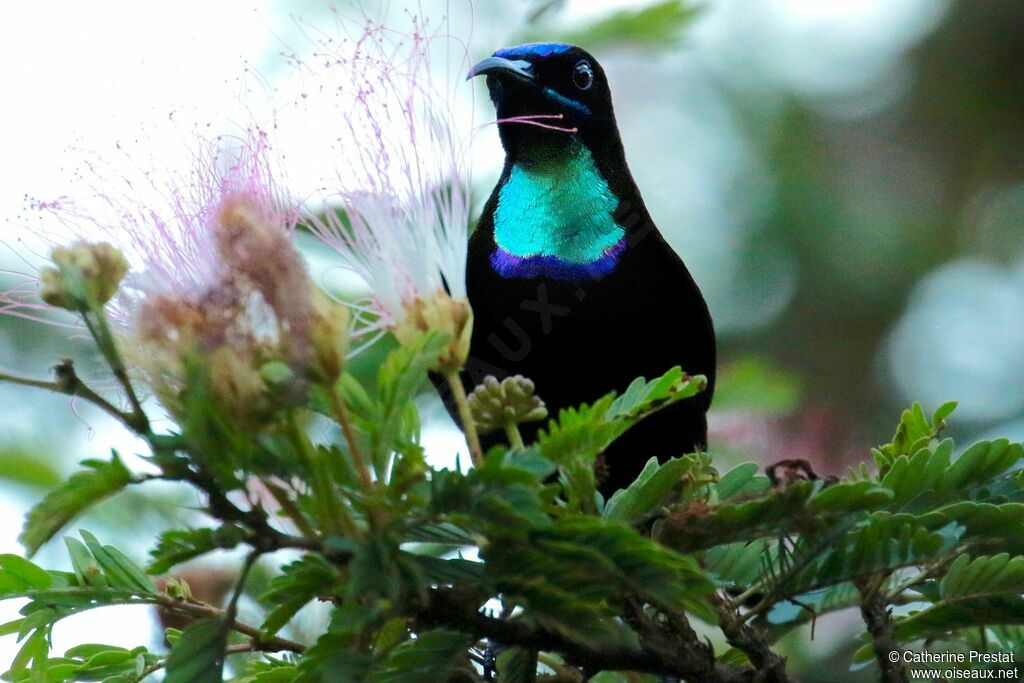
<point>213,276</point>
<point>398,210</point>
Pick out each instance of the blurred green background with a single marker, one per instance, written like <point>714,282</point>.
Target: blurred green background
<point>844,178</point>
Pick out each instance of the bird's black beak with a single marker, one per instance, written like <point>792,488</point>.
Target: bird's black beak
<point>518,69</point>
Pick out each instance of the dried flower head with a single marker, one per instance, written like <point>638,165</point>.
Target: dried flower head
<point>399,214</point>
<point>214,279</point>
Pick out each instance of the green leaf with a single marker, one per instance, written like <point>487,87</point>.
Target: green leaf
<point>198,657</point>
<point>517,665</point>
<point>585,431</point>
<point>740,481</point>
<point>968,579</point>
<point>913,433</point>
<point>82,490</point>
<point>989,523</point>
<point>217,442</point>
<point>566,575</point>
<point>844,496</point>
<point>655,26</point>
<point>451,570</point>
<point>177,546</point>
<point>647,492</point>
<point>642,398</point>
<point>879,544</point>
<point>120,571</point>
<point>429,657</point>
<point>980,463</point>
<point>958,615</point>
<point>33,653</point>
<point>700,526</point>
<point>444,533</point>
<point>736,564</point>
<point>18,575</point>
<point>942,412</point>
<point>400,377</point>
<point>301,582</point>
<point>580,434</point>
<point>87,569</point>
<point>498,495</point>
<point>29,469</point>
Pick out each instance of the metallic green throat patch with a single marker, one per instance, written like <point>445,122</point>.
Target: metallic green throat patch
<point>560,210</point>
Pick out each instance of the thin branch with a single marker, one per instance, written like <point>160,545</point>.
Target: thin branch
<point>515,439</point>
<point>670,632</point>
<point>341,413</point>
<point>778,588</point>
<point>201,610</point>
<point>290,509</point>
<point>448,607</point>
<point>264,537</point>
<point>751,641</point>
<point>926,573</point>
<point>69,384</point>
<point>875,611</point>
<point>335,519</point>
<point>466,418</point>
<point>100,331</point>
<point>257,641</point>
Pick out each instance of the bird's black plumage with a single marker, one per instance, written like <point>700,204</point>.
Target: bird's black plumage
<point>577,327</point>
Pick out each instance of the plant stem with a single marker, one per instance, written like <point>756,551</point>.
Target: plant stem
<point>466,417</point>
<point>926,573</point>
<point>201,610</point>
<point>100,332</point>
<point>73,387</point>
<point>515,439</point>
<point>750,641</point>
<point>875,611</point>
<point>448,607</point>
<point>290,509</point>
<point>341,413</point>
<point>332,517</point>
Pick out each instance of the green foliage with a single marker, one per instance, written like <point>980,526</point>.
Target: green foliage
<point>27,468</point>
<point>420,568</point>
<point>179,545</point>
<point>95,662</point>
<point>657,25</point>
<point>640,499</point>
<point>102,576</point>
<point>299,583</point>
<point>70,499</point>
<point>198,656</point>
<point>428,657</point>
<point>754,385</point>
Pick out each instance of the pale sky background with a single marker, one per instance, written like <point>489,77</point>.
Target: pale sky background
<point>91,73</point>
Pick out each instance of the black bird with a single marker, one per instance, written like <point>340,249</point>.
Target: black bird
<point>571,283</point>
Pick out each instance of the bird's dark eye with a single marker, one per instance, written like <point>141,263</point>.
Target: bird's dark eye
<point>583,76</point>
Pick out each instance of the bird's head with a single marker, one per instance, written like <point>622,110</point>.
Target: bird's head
<point>548,95</point>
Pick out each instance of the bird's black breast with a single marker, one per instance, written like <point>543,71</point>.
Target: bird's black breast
<point>579,339</point>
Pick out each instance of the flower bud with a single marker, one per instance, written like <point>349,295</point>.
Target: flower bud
<point>86,275</point>
<point>440,313</point>
<point>236,384</point>
<point>328,336</point>
<point>511,401</point>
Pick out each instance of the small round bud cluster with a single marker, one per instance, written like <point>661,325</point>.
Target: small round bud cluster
<point>85,276</point>
<point>511,401</point>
